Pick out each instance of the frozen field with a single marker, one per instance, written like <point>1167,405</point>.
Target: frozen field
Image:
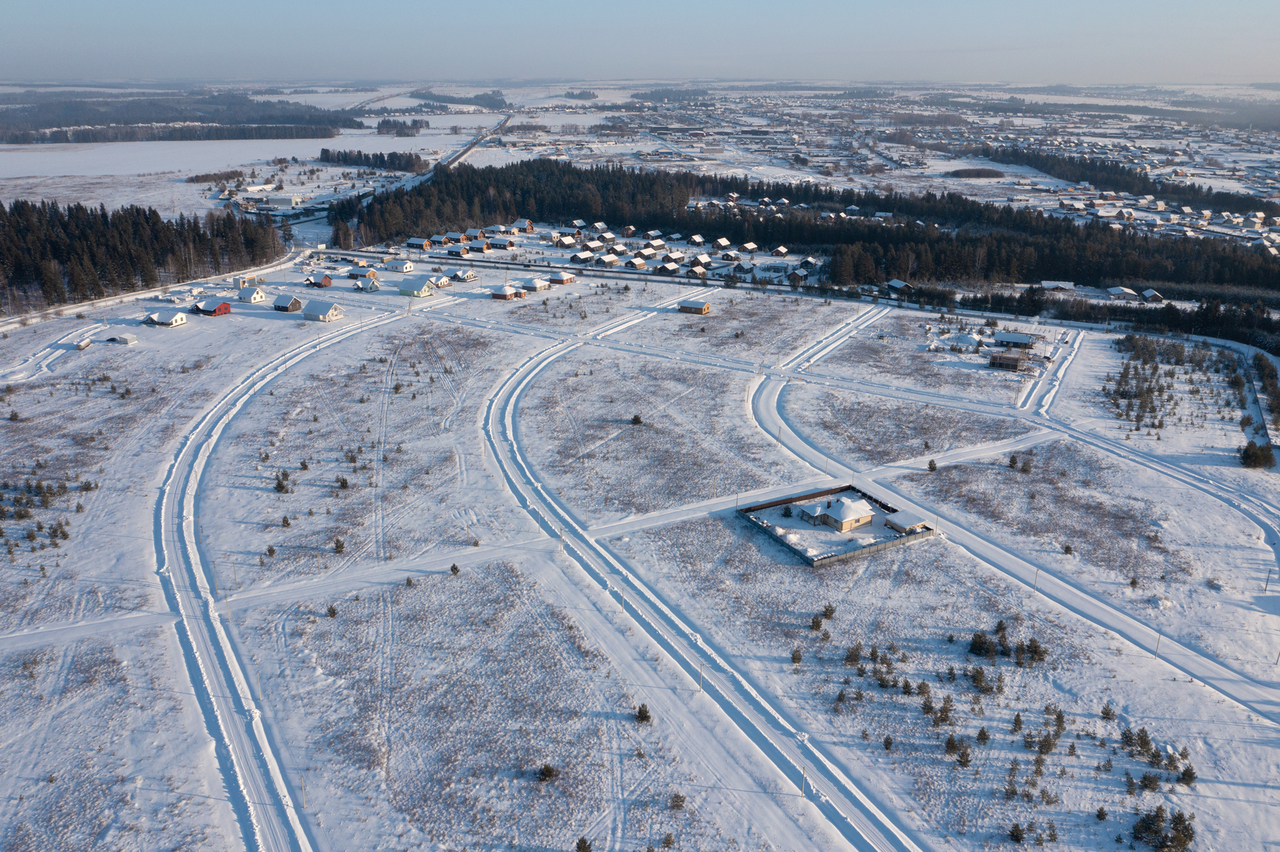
<point>229,557</point>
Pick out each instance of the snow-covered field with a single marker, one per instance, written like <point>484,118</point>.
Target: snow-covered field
<point>229,616</point>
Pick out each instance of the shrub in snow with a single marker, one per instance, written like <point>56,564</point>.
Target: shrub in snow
<point>547,772</point>
<point>677,802</point>
<point>333,611</point>
<point>642,715</point>
<point>796,656</point>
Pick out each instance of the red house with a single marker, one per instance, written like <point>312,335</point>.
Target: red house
<point>211,308</point>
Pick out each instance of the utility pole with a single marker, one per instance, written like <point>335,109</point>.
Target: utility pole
<point>699,677</point>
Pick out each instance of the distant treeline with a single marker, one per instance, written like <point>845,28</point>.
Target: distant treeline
<point>134,113</point>
<point>489,100</point>
<point>935,238</point>
<point>216,177</point>
<point>399,127</point>
<point>395,161</point>
<point>1114,177</point>
<point>52,255</point>
<point>654,95</point>
<point>976,173</point>
<point>172,133</point>
<point>581,95</point>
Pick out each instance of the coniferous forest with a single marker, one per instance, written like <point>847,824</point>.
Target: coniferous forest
<point>54,255</point>
<point>934,238</point>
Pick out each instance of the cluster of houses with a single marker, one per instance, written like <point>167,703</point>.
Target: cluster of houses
<point>596,245</point>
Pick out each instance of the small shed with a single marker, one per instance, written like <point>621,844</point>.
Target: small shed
<point>321,311</point>
<point>252,295</point>
<point>288,304</point>
<point>124,338</point>
<point>906,522</point>
<point>694,306</point>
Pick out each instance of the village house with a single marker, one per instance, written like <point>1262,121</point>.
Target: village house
<point>211,308</point>
<point>318,311</point>
<point>694,306</point>
<point>252,295</point>
<point>841,514</point>
<point>288,304</point>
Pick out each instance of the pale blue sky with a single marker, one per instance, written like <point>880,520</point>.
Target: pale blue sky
<point>1073,41</point>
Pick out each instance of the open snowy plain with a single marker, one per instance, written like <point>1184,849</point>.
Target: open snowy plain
<point>403,581</point>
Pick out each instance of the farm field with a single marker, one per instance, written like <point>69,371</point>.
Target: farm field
<point>354,584</point>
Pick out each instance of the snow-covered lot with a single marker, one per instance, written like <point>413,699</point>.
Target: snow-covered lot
<point>228,558</point>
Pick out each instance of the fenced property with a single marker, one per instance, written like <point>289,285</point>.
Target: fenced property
<point>819,544</point>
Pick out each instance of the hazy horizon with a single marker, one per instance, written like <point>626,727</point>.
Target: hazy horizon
<point>925,41</point>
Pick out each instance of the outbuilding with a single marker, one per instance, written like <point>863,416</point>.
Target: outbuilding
<point>318,311</point>
<point>694,306</point>
<point>906,522</point>
<point>1014,340</point>
<point>288,304</point>
<point>124,338</point>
